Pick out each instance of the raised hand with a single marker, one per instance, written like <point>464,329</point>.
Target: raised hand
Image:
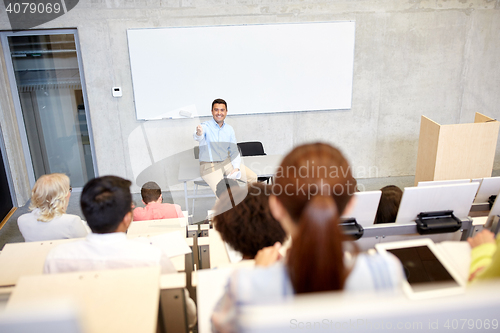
<point>199,130</point>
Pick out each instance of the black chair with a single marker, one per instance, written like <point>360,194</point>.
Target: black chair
<point>253,148</point>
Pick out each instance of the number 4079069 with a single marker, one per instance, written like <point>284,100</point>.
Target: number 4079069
<point>472,324</point>
<point>33,8</point>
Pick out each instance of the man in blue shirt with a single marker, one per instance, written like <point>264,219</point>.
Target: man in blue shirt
<point>219,155</point>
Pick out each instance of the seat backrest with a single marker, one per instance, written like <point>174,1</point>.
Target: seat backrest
<point>252,148</point>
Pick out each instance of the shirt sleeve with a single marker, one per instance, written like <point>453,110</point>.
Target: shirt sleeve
<point>178,211</point>
<point>485,261</point>
<point>139,213</point>
<point>86,226</point>
<point>80,228</point>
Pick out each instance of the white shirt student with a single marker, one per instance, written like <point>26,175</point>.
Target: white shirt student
<point>105,251</point>
<point>106,204</point>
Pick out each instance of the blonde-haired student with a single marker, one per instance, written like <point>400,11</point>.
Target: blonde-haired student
<point>48,219</point>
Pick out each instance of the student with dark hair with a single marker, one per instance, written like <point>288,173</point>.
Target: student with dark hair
<point>155,209</point>
<point>249,225</point>
<point>106,203</point>
<point>313,188</point>
<point>389,204</point>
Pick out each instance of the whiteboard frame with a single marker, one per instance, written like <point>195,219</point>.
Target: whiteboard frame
<point>324,84</point>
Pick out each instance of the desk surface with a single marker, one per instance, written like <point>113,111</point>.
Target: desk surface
<point>154,227</point>
<point>211,282</point>
<point>218,251</point>
<point>20,259</point>
<point>263,166</point>
<point>173,281</point>
<point>121,301</point>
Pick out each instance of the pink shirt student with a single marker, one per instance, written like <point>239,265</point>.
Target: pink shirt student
<point>155,209</point>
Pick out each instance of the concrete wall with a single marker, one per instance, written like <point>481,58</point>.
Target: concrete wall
<point>435,58</point>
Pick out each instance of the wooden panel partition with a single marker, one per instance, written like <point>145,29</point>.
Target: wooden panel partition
<point>457,151</point>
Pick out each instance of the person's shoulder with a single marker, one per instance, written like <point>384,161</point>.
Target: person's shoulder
<point>170,205</point>
<point>139,209</point>
<point>378,271</point>
<point>139,213</point>
<point>66,249</point>
<point>378,260</point>
<point>26,217</point>
<point>30,215</point>
<point>207,123</point>
<point>70,217</point>
<point>141,251</point>
<point>143,247</point>
<point>262,284</point>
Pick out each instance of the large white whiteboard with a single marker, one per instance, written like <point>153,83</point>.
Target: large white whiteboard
<point>255,68</point>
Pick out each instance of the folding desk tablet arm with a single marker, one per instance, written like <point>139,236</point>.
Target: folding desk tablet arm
<point>437,222</point>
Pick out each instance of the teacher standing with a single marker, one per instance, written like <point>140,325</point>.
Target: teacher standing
<point>219,155</point>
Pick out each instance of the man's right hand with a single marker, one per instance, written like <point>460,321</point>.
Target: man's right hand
<point>199,130</point>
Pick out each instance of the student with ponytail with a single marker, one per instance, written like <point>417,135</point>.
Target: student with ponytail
<point>313,187</point>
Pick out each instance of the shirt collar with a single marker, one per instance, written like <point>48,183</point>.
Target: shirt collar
<point>109,237</point>
<point>215,123</point>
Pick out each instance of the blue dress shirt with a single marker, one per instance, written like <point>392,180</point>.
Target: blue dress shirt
<point>218,143</point>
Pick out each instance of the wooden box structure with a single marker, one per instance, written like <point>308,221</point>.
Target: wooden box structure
<point>457,151</point>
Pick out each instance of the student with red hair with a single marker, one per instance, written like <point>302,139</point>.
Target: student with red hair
<point>313,187</point>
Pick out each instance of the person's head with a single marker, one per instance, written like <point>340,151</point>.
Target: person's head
<point>226,185</point>
<point>249,225</point>
<point>51,196</point>
<point>389,204</point>
<point>150,192</point>
<point>106,203</point>
<point>219,110</point>
<point>313,187</point>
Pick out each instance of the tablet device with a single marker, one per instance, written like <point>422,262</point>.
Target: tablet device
<point>427,272</point>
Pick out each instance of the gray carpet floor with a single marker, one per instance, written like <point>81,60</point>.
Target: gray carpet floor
<point>10,232</point>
